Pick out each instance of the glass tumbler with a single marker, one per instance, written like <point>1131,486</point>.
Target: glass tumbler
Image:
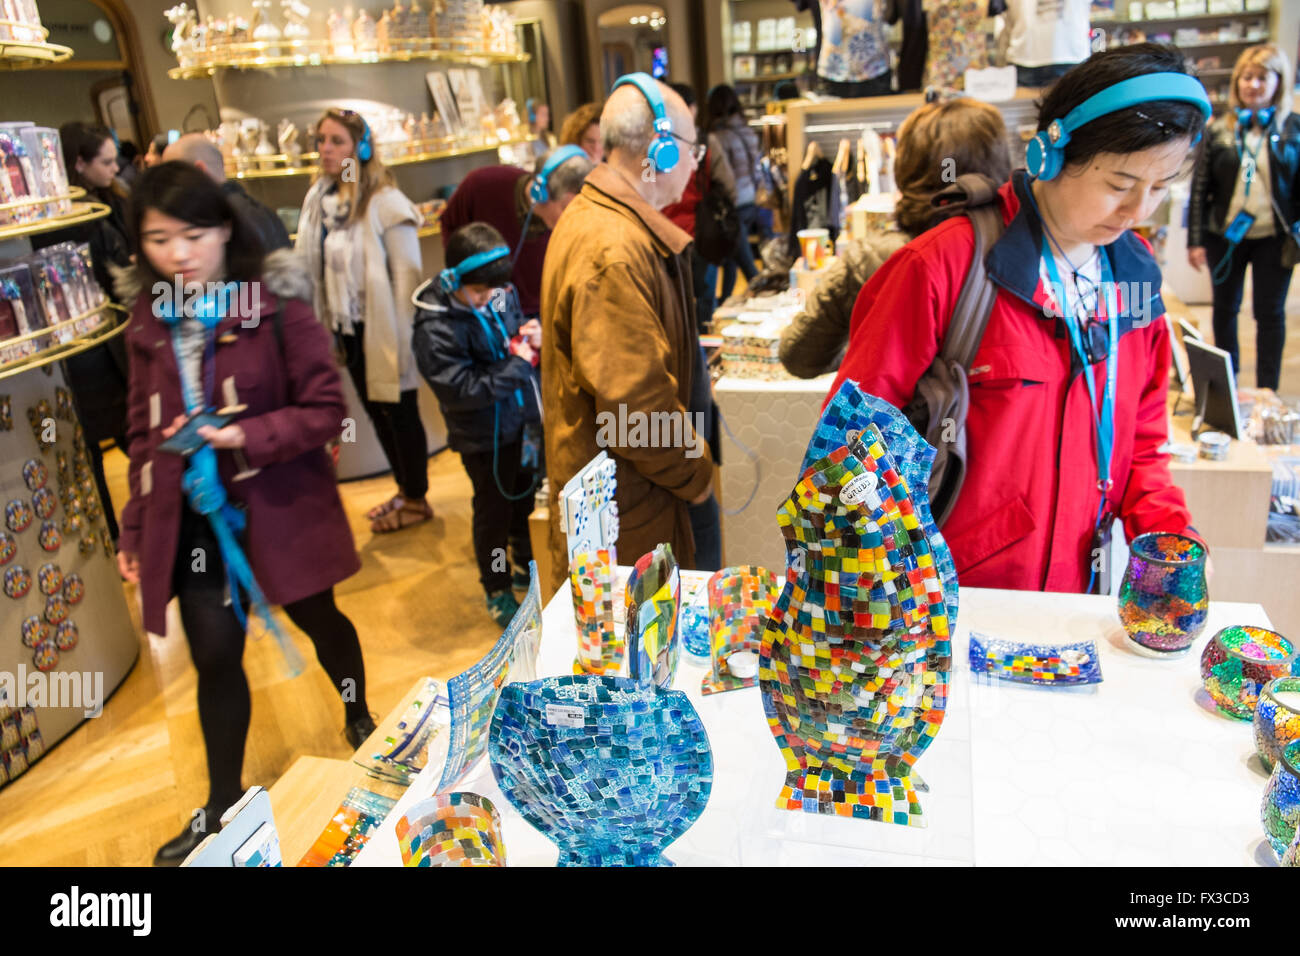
<point>1163,600</point>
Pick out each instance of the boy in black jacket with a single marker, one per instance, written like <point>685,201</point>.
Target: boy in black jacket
<point>479,357</point>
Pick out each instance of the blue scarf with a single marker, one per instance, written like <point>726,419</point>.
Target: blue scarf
<point>207,495</point>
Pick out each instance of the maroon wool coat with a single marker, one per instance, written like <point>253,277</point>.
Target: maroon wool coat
<point>298,540</point>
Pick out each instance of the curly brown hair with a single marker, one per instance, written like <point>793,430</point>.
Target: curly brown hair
<point>577,122</point>
<point>938,142</point>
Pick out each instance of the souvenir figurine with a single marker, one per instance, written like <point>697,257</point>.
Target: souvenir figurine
<point>56,609</point>
<point>66,636</point>
<point>287,137</point>
<point>44,501</point>
<point>295,19</point>
<point>34,473</point>
<point>34,631</point>
<point>383,33</point>
<point>18,516</point>
<point>74,589</point>
<point>6,413</point>
<point>49,579</point>
<point>50,536</point>
<point>363,33</point>
<point>46,656</point>
<point>17,582</point>
<point>264,30</point>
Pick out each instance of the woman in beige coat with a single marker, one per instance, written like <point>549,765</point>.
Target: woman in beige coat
<point>358,234</point>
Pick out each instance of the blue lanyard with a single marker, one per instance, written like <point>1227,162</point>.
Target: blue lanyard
<point>1103,424</point>
<point>505,339</point>
<point>1243,151</point>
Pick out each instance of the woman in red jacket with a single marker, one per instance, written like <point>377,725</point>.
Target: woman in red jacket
<point>1067,391</point>
<point>257,350</point>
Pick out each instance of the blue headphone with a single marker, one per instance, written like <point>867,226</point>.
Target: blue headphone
<point>530,107</point>
<point>1045,155</point>
<point>539,189</point>
<point>663,150</point>
<point>365,148</point>
<point>449,279</point>
<point>1263,117</point>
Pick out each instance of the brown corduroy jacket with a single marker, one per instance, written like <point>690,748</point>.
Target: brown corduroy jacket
<point>619,344</point>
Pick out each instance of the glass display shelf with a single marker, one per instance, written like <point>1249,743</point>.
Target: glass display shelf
<point>107,329</point>
<point>274,54</point>
<point>30,54</point>
<point>422,157</point>
<point>81,212</point>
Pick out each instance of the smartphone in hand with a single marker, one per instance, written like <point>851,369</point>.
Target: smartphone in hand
<point>187,441</point>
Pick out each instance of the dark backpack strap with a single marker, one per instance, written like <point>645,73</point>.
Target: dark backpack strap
<point>975,194</point>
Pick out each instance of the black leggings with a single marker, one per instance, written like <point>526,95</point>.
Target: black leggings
<point>1270,282</point>
<point>397,425</point>
<point>498,522</point>
<point>216,642</point>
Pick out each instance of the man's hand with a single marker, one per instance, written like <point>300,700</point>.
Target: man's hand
<point>705,495</point>
<point>1196,257</point>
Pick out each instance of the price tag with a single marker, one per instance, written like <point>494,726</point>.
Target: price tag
<point>566,715</point>
<point>857,488</point>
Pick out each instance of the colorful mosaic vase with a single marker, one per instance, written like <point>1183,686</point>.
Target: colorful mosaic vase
<point>1163,599</point>
<point>654,594</point>
<point>1239,661</point>
<point>451,829</point>
<point>856,655</point>
<point>851,410</point>
<point>740,601</point>
<point>1292,856</point>
<point>1280,810</point>
<point>591,577</point>
<point>1277,718</point>
<point>610,771</point>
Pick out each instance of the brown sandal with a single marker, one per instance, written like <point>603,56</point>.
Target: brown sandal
<point>408,514</point>
<point>392,504</point>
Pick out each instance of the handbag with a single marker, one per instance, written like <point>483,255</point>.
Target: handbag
<point>717,224</point>
<point>939,406</point>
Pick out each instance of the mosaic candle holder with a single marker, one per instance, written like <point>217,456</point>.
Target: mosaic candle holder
<point>610,771</point>
<point>856,655</point>
<point>740,601</point>
<point>451,829</point>
<point>1163,600</point>
<point>693,623</point>
<point>1280,810</point>
<point>1277,718</point>
<point>654,593</point>
<point>1239,661</point>
<point>591,578</point>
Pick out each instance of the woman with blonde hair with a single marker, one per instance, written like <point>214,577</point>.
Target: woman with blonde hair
<point>358,234</point>
<point>1243,206</point>
<point>937,143</point>
<point>582,128</point>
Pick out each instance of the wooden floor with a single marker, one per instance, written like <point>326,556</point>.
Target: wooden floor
<point>121,785</point>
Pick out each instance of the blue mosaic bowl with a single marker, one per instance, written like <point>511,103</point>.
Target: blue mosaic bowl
<point>611,772</point>
<point>1280,811</point>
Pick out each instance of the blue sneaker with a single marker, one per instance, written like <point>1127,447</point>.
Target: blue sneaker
<point>502,606</point>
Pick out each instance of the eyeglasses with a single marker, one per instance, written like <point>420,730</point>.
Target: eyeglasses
<point>697,149</point>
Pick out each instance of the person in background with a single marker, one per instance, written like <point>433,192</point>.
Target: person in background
<point>153,155</point>
<point>358,233</point>
<point>501,197</point>
<point>1046,39</point>
<point>715,173</point>
<point>1250,165</point>
<point>270,463</point>
<point>854,56</point>
<point>582,128</point>
<point>98,377</point>
<point>618,338</point>
<point>968,132</point>
<point>786,90</point>
<point>1076,323</point>
<point>479,356</point>
<point>539,124</point>
<point>128,163</point>
<point>197,149</point>
<point>739,143</point>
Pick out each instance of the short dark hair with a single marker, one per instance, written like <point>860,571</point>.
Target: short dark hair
<point>685,91</point>
<point>182,191</point>
<point>722,102</point>
<point>1129,130</point>
<point>471,239</point>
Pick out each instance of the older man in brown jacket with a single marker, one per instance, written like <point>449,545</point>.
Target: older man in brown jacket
<point>620,350</point>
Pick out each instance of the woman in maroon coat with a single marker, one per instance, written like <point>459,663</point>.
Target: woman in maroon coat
<point>263,353</point>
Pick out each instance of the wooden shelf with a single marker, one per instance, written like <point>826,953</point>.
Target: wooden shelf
<point>81,212</point>
<point>258,56</point>
<point>428,157</point>
<point>774,77</point>
<point>1185,21</point>
<point>57,353</point>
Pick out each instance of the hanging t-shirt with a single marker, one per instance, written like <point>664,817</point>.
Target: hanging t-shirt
<point>1044,32</point>
<point>854,46</point>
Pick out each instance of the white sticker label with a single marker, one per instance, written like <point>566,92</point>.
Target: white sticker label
<point>563,715</point>
<point>858,488</point>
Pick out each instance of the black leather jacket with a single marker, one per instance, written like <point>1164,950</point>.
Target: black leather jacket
<point>1219,165</point>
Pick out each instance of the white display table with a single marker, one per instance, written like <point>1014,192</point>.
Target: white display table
<point>1138,770</point>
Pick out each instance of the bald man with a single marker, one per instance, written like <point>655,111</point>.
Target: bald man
<point>622,368</point>
<point>197,150</point>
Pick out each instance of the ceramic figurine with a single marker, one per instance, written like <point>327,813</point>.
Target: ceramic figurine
<point>340,32</point>
<point>287,137</point>
<point>384,32</point>
<point>295,14</point>
<point>264,31</point>
<point>363,33</point>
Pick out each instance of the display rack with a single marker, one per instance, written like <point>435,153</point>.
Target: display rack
<point>28,54</point>
<point>256,56</point>
<point>81,212</point>
<point>106,330</point>
<point>425,157</point>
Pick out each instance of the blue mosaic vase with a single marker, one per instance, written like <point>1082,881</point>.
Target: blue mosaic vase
<point>1280,810</point>
<point>856,654</point>
<point>610,771</point>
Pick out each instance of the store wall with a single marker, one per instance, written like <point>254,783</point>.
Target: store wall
<point>50,97</point>
<point>565,38</point>
<point>682,32</point>
<point>172,99</point>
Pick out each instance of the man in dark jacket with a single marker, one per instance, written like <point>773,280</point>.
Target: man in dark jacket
<point>478,355</point>
<point>198,150</point>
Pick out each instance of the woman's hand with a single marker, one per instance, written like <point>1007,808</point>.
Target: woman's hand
<point>177,423</point>
<point>532,331</point>
<point>128,565</point>
<point>228,436</point>
<point>1196,256</point>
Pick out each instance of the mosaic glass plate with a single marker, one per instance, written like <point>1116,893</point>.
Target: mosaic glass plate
<point>1045,664</point>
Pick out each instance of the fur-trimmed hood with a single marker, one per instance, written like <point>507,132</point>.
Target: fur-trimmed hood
<point>284,275</point>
